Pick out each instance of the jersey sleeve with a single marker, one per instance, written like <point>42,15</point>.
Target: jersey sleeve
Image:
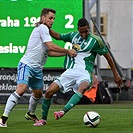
<point>99,47</point>
<point>66,37</point>
<point>44,33</point>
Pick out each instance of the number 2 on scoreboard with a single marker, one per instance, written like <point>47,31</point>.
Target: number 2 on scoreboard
<point>70,21</point>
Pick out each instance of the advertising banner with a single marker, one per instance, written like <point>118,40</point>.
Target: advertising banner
<point>8,78</point>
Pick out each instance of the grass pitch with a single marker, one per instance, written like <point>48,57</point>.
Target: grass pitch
<point>115,118</point>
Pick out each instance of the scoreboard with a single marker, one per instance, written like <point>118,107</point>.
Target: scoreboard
<point>17,19</point>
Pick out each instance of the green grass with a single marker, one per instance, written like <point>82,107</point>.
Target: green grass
<point>115,118</point>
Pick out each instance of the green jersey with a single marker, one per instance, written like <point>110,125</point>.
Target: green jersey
<point>87,49</point>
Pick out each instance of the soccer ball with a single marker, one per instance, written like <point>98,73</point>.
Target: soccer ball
<point>91,119</point>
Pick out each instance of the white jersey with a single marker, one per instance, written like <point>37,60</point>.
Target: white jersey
<point>36,52</point>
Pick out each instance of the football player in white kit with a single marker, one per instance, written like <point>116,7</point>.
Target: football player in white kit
<point>30,67</point>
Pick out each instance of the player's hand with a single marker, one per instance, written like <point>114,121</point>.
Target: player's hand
<point>72,52</point>
<point>118,80</point>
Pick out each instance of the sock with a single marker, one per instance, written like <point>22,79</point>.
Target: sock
<point>45,107</point>
<point>11,102</point>
<point>33,102</point>
<point>72,102</point>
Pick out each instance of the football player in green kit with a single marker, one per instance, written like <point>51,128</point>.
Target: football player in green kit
<point>79,69</point>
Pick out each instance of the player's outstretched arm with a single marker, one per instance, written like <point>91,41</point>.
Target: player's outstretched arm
<point>54,34</point>
<point>55,54</point>
<point>117,78</point>
<point>53,47</point>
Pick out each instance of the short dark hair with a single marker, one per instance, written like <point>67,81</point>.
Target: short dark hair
<point>83,22</point>
<point>43,13</point>
<point>46,11</point>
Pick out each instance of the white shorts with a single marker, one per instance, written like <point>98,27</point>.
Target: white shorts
<point>71,78</point>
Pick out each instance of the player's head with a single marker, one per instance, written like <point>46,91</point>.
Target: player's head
<point>83,28</point>
<point>47,16</point>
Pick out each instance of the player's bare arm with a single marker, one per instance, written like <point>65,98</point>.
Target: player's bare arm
<point>54,34</point>
<point>117,78</point>
<point>55,54</point>
<point>53,47</point>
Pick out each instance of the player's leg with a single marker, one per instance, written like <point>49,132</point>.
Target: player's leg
<point>22,80</point>
<point>33,102</point>
<point>46,102</point>
<point>73,100</point>
<point>77,96</point>
<point>83,80</point>
<point>36,83</point>
<point>11,102</point>
<point>54,87</point>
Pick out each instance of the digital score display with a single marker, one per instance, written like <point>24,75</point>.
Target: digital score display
<point>17,19</point>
